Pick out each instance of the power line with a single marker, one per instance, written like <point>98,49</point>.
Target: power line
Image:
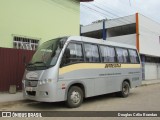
<point>115,16</point>
<point>102,14</point>
<point>117,20</point>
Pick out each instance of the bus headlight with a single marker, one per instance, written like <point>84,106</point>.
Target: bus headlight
<point>42,82</point>
<point>23,81</point>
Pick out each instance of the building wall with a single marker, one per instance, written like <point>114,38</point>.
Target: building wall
<point>126,39</point>
<point>120,21</point>
<point>149,36</point>
<point>42,19</point>
<point>91,27</point>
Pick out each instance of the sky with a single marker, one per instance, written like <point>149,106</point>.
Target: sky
<point>110,9</point>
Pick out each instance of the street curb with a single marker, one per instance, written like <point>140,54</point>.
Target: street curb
<point>146,84</point>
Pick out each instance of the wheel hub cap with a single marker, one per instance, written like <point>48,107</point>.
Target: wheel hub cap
<point>75,97</point>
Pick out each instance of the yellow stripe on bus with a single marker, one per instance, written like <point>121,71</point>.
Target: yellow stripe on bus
<point>80,66</point>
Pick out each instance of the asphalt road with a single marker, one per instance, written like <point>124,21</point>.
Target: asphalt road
<point>145,98</point>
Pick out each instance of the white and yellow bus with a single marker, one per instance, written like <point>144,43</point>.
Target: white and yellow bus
<point>73,68</point>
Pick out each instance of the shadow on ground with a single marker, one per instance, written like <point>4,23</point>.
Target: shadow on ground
<point>62,106</point>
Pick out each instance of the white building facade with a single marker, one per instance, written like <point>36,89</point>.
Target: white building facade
<point>137,30</point>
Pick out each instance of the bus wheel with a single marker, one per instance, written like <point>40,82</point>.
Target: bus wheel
<point>125,90</point>
<point>74,97</point>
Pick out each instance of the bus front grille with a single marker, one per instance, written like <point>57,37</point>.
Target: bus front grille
<point>31,83</point>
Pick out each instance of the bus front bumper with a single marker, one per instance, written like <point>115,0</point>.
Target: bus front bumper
<point>44,93</point>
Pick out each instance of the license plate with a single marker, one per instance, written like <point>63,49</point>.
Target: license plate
<point>29,88</point>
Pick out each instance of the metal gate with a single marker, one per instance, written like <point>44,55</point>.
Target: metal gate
<point>151,71</point>
<point>12,67</point>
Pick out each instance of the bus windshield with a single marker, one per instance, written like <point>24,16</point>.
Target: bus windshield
<point>47,54</point>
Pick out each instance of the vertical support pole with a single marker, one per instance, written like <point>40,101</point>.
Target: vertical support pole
<point>143,66</point>
<point>137,32</point>
<point>104,32</point>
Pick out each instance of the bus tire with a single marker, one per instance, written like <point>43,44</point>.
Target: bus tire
<point>74,97</point>
<point>125,90</point>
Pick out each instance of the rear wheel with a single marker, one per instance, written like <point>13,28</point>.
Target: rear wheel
<point>74,97</point>
<point>125,90</point>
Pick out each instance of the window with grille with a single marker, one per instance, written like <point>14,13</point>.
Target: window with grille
<point>25,43</point>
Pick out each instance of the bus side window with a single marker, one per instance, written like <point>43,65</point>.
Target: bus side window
<point>133,56</point>
<point>108,54</point>
<point>72,54</point>
<point>122,55</point>
<point>91,53</point>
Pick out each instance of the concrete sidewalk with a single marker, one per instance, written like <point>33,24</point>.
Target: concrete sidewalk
<point>6,97</point>
<point>150,82</point>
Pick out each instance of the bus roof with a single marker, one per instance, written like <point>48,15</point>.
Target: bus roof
<point>100,41</point>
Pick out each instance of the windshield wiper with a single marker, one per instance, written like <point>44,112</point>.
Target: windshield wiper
<point>29,65</point>
<point>40,62</point>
